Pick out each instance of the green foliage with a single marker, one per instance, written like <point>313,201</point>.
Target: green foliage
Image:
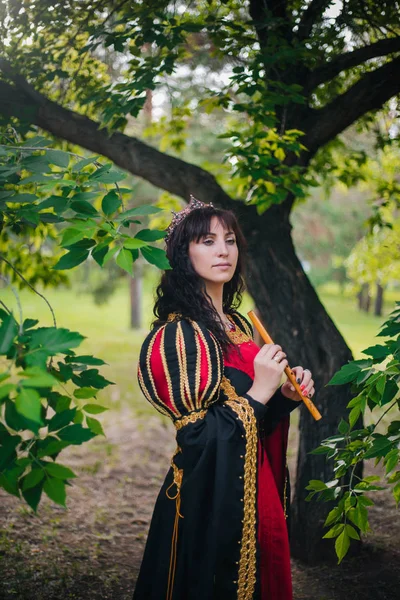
<point>93,218</point>
<point>375,382</point>
<point>44,383</point>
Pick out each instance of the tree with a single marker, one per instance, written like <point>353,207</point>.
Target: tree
<point>296,77</point>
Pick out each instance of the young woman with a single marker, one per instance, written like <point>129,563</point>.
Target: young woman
<point>218,530</point>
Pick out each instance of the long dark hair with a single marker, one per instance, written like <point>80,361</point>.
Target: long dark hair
<point>181,289</point>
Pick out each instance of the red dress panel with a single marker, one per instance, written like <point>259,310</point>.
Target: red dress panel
<point>275,571</point>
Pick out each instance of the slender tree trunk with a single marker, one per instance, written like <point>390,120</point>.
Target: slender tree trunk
<point>136,294</point>
<point>378,300</point>
<point>296,319</point>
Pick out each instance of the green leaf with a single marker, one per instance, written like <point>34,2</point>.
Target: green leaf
<point>335,531</point>
<point>55,339</point>
<point>37,377</point>
<point>316,484</point>
<point>380,447</point>
<point>32,495</point>
<point>392,459</point>
<point>6,389</point>
<point>150,235</point>
<point>71,259</point>
<point>32,479</point>
<point>95,425</point>
<point>377,352</point>
<point>55,489</point>
<point>59,471</point>
<point>84,208</point>
<point>125,260</point>
<point>359,516</point>
<point>351,532</point>
<point>61,419</point>
<point>75,434</point>
<point>139,210</point>
<point>58,158</point>
<point>156,256</point>
<point>71,235</point>
<point>346,374</point>
<point>52,448</point>
<point>354,415</point>
<point>134,243</point>
<point>94,409</point>
<point>333,516</point>
<point>110,203</point>
<point>81,164</point>
<point>85,359</point>
<point>342,545</point>
<point>85,392</point>
<point>28,404</point>
<point>8,332</point>
<point>21,198</point>
<point>390,391</point>
<point>343,426</point>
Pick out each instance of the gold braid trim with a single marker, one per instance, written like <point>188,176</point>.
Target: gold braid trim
<point>247,562</point>
<point>191,417</point>
<point>178,475</point>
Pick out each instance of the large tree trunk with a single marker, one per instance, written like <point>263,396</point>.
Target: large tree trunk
<point>296,319</point>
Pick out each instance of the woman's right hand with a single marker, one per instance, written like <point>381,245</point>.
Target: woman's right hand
<point>269,364</point>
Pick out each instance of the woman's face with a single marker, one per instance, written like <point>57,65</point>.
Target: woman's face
<point>215,256</point>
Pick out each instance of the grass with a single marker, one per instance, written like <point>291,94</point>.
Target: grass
<point>109,337</point>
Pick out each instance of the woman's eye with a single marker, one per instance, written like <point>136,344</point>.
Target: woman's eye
<point>208,242</point>
<point>231,241</point>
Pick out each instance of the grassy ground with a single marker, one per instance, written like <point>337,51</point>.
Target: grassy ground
<point>93,549</point>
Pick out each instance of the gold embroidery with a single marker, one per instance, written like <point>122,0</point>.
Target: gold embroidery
<point>191,417</point>
<point>245,325</point>
<point>247,563</point>
<point>197,374</point>
<point>285,494</point>
<point>237,336</point>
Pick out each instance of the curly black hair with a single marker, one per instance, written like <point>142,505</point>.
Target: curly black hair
<point>181,290</point>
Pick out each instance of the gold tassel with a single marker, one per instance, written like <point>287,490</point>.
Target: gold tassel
<point>178,474</point>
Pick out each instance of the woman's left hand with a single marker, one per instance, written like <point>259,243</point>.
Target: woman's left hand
<point>305,381</point>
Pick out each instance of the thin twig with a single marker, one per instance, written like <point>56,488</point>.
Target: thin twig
<point>14,291</point>
<point>31,286</point>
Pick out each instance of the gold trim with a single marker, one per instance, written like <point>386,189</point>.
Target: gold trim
<point>238,336</point>
<point>191,417</point>
<point>148,397</point>
<point>180,350</point>
<point>245,325</point>
<point>247,563</point>
<point>209,378</point>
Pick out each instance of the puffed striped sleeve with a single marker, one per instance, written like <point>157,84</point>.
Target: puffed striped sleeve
<point>180,368</point>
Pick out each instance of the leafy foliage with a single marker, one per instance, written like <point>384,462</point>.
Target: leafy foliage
<point>44,383</point>
<point>375,381</point>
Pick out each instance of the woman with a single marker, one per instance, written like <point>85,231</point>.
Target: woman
<point>218,530</point>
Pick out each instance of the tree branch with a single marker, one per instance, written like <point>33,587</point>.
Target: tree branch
<point>311,15</point>
<point>351,59</point>
<point>166,172</point>
<point>369,93</point>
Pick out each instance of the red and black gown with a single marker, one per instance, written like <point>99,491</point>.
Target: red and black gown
<point>219,529</point>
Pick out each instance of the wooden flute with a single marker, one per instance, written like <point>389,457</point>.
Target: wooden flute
<point>268,340</point>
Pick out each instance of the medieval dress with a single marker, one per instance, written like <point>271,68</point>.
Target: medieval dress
<point>219,529</point>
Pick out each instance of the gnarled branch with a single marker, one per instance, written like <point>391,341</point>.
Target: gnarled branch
<point>351,59</point>
<point>369,93</point>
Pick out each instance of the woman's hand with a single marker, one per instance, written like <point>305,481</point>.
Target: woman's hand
<point>304,379</point>
<point>269,364</point>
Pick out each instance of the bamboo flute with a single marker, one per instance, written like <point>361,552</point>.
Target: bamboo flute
<point>268,340</point>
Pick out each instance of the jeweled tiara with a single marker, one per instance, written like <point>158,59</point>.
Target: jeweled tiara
<point>194,203</point>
